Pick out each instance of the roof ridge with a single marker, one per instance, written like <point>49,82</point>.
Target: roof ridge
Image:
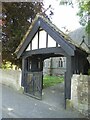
<point>66,37</point>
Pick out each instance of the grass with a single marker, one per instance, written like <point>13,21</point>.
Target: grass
<point>52,80</point>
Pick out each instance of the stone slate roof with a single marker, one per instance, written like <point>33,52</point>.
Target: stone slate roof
<point>77,36</point>
<point>65,36</point>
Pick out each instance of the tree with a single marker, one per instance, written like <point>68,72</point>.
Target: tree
<point>84,14</point>
<point>17,18</point>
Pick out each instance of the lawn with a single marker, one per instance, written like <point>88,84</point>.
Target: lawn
<point>52,80</point>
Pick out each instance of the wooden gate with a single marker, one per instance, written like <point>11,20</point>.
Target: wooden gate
<point>65,90</point>
<point>34,84</point>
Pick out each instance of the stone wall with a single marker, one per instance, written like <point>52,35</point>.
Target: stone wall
<point>11,78</point>
<point>80,93</point>
<point>51,66</point>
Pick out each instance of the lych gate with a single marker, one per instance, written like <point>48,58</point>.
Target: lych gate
<point>44,40</point>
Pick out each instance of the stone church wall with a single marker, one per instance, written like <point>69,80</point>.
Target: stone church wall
<point>51,66</point>
<point>80,93</point>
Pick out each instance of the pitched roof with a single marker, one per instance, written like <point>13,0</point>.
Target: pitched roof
<point>65,37</point>
<point>77,36</point>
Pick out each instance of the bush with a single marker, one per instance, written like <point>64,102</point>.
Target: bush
<point>6,65</point>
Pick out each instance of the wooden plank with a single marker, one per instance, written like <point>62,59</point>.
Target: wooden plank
<point>46,39</point>
<point>69,49</point>
<point>34,84</point>
<point>46,56</point>
<point>73,64</point>
<point>38,38</point>
<point>79,51</point>
<point>68,77</point>
<point>24,69</point>
<point>43,51</point>
<point>23,72</point>
<point>77,62</point>
<point>65,90</point>
<point>56,44</point>
<point>31,45</point>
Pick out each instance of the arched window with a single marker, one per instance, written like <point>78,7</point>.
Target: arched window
<point>60,63</point>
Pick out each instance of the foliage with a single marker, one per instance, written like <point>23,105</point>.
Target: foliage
<point>6,65</point>
<point>84,14</point>
<point>52,80</point>
<point>17,18</point>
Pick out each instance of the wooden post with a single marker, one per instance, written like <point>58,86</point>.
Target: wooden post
<point>42,71</point>
<point>23,72</point>
<point>38,38</point>
<point>31,45</point>
<point>56,44</point>
<point>73,64</point>
<point>68,77</point>
<point>24,75</point>
<point>46,40</point>
<point>65,90</point>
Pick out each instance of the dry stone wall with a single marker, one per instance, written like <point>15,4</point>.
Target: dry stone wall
<point>11,78</point>
<point>80,93</point>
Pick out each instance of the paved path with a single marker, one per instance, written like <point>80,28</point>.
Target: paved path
<point>17,105</point>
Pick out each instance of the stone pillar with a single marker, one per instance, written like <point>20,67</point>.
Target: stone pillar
<point>80,90</point>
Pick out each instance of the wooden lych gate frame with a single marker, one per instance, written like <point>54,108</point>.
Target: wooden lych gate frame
<point>32,60</point>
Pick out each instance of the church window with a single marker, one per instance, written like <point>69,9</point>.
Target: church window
<point>60,62</point>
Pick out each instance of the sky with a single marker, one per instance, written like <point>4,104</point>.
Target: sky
<point>64,16</point>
